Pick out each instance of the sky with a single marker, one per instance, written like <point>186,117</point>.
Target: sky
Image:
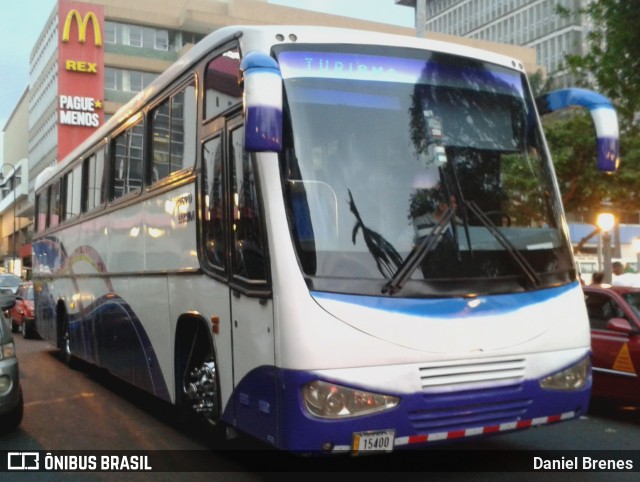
<point>21,22</point>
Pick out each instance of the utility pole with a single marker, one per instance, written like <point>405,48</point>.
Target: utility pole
<point>421,18</point>
<point>420,9</point>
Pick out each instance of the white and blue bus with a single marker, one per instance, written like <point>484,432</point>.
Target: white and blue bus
<point>331,240</point>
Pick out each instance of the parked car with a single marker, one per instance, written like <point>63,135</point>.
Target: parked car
<point>23,313</point>
<point>8,280</point>
<point>614,315</point>
<point>11,401</point>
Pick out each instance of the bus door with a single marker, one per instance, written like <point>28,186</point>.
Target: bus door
<point>251,304</point>
<point>238,243</point>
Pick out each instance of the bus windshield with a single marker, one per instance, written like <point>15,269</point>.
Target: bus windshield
<point>417,173</point>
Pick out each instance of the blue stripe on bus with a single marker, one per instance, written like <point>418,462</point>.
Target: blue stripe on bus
<point>268,395</point>
<point>608,148</point>
<point>449,307</point>
<point>111,335</point>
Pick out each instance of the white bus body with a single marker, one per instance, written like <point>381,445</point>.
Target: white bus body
<point>289,275</point>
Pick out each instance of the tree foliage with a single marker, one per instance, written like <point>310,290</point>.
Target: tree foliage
<point>611,64</point>
<point>611,67</point>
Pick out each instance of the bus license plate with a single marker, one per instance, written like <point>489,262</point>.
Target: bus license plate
<point>379,441</point>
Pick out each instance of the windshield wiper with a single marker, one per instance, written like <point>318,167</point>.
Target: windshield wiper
<point>430,242</point>
<point>517,256</point>
<point>418,253</point>
<point>383,252</point>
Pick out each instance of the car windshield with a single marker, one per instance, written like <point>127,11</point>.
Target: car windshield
<point>404,166</point>
<point>9,281</point>
<point>633,300</point>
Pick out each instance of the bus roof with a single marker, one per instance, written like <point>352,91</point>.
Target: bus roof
<point>262,38</point>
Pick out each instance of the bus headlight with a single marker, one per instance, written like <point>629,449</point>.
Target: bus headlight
<point>572,378</point>
<point>328,400</point>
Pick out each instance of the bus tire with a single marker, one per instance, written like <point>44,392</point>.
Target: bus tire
<point>198,386</point>
<point>64,338</point>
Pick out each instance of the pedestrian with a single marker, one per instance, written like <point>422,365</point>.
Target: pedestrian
<point>617,268</point>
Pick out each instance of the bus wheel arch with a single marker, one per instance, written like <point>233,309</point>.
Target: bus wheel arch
<point>196,369</point>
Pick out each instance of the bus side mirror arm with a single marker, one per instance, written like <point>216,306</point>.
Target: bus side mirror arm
<point>262,102</point>
<point>603,115</point>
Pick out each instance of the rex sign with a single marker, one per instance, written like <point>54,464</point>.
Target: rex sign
<point>80,73</point>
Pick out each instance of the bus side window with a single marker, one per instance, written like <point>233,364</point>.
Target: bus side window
<point>221,83</point>
<point>73,190</point>
<point>55,206</point>
<point>42,210</point>
<point>248,236</point>
<point>68,189</point>
<point>174,133</point>
<point>215,210</point>
<point>94,172</point>
<point>127,161</point>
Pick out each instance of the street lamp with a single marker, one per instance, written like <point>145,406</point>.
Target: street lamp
<point>3,181</point>
<point>605,222</point>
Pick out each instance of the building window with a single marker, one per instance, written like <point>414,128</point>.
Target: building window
<point>136,83</point>
<point>135,36</point>
<point>110,33</point>
<point>112,79</point>
<point>127,80</point>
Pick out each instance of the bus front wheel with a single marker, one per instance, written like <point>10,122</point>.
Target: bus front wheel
<point>201,389</point>
<point>198,383</point>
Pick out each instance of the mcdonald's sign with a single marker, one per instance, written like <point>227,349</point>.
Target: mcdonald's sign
<point>80,72</point>
<point>82,23</point>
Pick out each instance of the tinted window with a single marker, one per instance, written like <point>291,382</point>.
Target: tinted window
<point>221,83</point>
<point>601,309</point>
<point>247,217</point>
<point>215,210</point>
<point>43,210</point>
<point>127,173</point>
<point>174,129</point>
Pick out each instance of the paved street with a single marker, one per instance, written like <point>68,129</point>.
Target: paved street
<point>78,410</point>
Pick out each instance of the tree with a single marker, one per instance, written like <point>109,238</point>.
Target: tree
<point>572,141</point>
<point>611,64</point>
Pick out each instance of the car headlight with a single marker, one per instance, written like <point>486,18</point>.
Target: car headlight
<point>328,400</point>
<point>7,350</point>
<point>572,378</point>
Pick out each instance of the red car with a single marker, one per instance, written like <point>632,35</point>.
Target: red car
<point>614,315</point>
<point>23,314</point>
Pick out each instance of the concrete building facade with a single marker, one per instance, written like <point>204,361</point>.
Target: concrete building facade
<point>530,23</point>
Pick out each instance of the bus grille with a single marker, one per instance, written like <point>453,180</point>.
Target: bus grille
<point>470,395</point>
<point>434,378</point>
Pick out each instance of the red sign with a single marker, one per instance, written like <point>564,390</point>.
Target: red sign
<point>80,73</point>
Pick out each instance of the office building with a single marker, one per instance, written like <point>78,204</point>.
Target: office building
<point>529,23</point>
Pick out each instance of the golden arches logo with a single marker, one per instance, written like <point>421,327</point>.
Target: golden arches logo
<point>82,27</point>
